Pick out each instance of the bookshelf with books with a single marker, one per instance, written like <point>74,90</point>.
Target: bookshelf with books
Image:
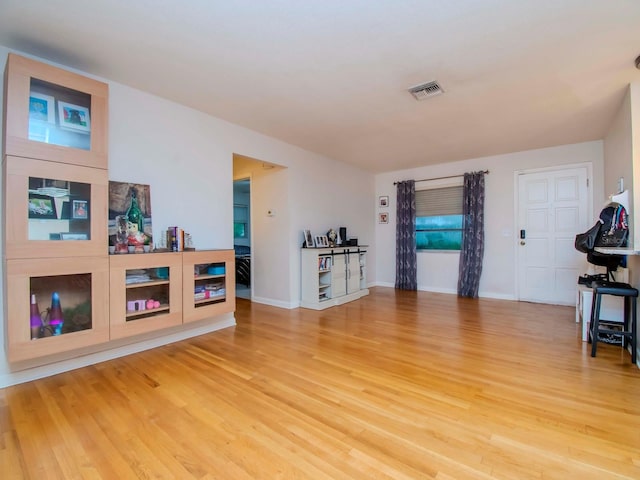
<point>208,284</point>
<point>332,276</point>
<point>145,293</point>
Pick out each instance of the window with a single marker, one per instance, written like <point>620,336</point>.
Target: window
<point>240,220</point>
<point>439,218</point>
<point>239,230</point>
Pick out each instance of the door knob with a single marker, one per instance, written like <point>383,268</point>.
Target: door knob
<point>522,242</point>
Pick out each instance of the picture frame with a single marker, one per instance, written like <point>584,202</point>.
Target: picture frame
<point>79,209</point>
<point>383,201</point>
<point>308,239</point>
<point>42,207</point>
<point>74,117</point>
<point>42,108</point>
<point>383,217</point>
<point>73,236</point>
<point>322,241</point>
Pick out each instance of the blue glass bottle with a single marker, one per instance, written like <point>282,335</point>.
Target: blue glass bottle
<point>56,320</point>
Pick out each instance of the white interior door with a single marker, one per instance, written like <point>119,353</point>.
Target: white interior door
<point>553,206</point>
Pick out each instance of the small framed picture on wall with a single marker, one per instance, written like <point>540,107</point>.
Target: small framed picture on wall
<point>383,202</point>
<point>383,217</point>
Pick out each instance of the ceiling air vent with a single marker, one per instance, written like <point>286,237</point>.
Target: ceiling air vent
<point>426,90</point>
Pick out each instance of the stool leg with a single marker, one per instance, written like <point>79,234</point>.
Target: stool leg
<point>634,331</point>
<point>593,309</point>
<point>595,319</point>
<point>627,320</point>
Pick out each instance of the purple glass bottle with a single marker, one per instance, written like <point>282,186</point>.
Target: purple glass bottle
<point>36,321</point>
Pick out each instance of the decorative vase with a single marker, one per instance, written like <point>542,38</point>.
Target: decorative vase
<point>56,320</point>
<point>36,320</point>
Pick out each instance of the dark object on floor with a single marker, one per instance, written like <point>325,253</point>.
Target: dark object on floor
<point>608,329</point>
<point>589,279</point>
<point>243,264</point>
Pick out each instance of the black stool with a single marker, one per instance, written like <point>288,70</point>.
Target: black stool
<point>628,323</point>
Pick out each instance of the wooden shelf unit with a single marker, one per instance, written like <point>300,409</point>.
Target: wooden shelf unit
<point>19,226</point>
<point>332,276</point>
<point>50,158</point>
<point>24,78</point>
<point>55,133</point>
<point>124,323</point>
<point>197,309</point>
<point>57,274</point>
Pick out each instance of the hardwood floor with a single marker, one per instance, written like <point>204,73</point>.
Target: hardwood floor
<point>398,385</point>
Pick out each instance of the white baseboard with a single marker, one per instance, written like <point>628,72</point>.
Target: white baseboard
<point>276,303</point>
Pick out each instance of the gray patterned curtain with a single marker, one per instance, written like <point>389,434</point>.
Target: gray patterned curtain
<point>406,265</point>
<point>472,235</point>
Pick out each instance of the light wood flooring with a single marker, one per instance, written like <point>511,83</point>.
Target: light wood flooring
<point>398,385</point>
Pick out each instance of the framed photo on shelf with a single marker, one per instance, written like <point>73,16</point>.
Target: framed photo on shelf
<point>80,209</point>
<point>322,241</point>
<point>383,217</point>
<point>65,211</point>
<point>42,108</point>
<point>74,117</point>
<point>308,239</point>
<point>42,207</point>
<point>383,202</point>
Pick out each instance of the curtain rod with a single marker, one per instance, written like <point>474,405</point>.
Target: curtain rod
<point>442,178</point>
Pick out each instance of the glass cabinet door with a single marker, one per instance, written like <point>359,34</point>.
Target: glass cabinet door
<point>208,290</point>
<point>53,114</point>
<point>59,115</point>
<point>54,209</point>
<point>145,292</point>
<point>57,305</point>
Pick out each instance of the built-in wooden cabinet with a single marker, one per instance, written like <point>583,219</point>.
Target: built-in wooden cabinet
<point>55,188</point>
<point>63,291</point>
<point>55,115</point>
<point>145,292</point>
<point>209,288</point>
<point>81,285</point>
<point>332,276</point>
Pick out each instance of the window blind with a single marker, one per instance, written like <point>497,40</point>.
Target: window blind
<point>439,201</point>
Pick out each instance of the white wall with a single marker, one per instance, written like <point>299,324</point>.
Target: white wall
<point>622,158</point>
<point>618,156</point>
<point>186,157</point>
<point>315,193</point>
<point>439,271</point>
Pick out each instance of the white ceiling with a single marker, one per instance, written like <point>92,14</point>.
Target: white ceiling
<point>331,75</point>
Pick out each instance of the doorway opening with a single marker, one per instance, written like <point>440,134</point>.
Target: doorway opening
<point>242,236</point>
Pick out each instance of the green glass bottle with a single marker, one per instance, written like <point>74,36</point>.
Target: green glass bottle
<point>134,214</point>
